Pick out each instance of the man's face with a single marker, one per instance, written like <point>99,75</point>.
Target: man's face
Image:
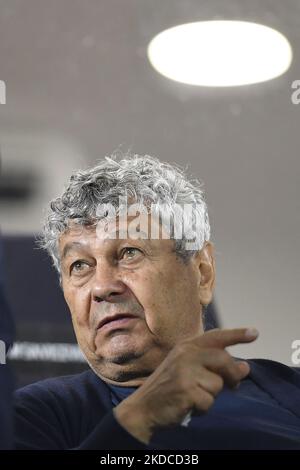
<point>141,277</point>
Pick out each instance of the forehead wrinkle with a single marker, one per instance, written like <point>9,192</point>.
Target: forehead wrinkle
<point>122,235</point>
<point>121,231</point>
<point>72,246</point>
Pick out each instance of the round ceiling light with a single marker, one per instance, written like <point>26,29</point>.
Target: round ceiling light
<point>220,53</point>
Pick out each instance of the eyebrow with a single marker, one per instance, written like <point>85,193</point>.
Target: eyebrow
<point>70,247</point>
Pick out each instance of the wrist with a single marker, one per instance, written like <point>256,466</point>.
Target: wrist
<point>134,421</point>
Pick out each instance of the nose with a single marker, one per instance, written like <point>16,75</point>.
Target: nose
<point>107,287</point>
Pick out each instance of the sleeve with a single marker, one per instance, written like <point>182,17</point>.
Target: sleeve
<point>112,436</point>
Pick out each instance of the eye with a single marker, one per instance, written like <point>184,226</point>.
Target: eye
<point>130,252</point>
<point>78,266</point>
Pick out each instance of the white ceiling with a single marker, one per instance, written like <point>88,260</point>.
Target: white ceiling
<point>76,72</point>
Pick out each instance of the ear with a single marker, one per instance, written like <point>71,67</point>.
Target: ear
<point>206,266</point>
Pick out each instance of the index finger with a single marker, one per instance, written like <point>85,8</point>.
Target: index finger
<point>221,338</point>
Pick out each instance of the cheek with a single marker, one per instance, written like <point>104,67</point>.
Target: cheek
<point>186,298</point>
<point>78,303</point>
<point>154,291</point>
<point>171,302</point>
<point>147,289</point>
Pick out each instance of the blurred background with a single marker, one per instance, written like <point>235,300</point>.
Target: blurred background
<point>79,86</point>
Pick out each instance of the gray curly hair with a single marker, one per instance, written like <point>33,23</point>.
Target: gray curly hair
<point>141,178</point>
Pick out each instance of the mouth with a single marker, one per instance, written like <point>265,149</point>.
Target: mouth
<point>115,321</point>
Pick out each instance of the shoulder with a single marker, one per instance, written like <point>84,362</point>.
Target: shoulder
<point>271,369</point>
<point>69,389</point>
<point>279,380</point>
<point>58,413</point>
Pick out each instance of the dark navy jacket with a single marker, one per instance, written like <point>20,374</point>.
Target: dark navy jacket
<point>76,412</point>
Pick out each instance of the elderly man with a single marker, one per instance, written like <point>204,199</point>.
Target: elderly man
<point>136,296</point>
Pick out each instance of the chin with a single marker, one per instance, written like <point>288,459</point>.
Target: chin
<point>123,370</point>
<point>120,347</point>
<point>120,354</point>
